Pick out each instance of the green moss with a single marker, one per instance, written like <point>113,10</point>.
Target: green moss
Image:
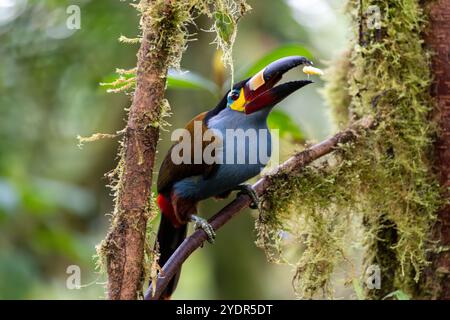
<point>384,180</point>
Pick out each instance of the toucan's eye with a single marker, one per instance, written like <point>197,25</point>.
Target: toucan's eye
<point>234,95</point>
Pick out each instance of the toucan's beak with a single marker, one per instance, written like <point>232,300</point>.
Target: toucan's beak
<point>260,92</point>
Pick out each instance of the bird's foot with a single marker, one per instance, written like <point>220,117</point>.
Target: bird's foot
<point>248,190</point>
<point>200,223</point>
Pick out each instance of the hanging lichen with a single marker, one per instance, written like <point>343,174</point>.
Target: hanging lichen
<point>385,180</point>
<point>224,13</point>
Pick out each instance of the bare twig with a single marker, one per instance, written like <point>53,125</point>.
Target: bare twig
<point>293,164</point>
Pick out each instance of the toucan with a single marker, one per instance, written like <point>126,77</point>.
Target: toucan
<point>181,186</point>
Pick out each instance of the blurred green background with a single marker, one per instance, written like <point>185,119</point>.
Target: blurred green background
<point>53,199</point>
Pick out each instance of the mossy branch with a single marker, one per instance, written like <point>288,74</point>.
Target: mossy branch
<point>123,248</point>
<point>164,35</point>
<point>293,164</point>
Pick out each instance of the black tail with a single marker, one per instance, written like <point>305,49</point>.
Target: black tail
<point>169,238</point>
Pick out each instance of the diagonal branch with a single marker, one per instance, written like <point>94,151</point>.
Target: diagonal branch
<point>293,164</point>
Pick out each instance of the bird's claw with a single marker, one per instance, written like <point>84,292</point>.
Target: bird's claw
<point>200,223</point>
<point>248,190</point>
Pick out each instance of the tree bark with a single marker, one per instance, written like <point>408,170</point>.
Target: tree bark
<point>437,280</point>
<point>124,244</point>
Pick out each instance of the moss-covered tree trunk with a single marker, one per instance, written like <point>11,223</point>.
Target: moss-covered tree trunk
<point>410,93</point>
<point>124,253</point>
<point>436,282</point>
<point>124,245</point>
<point>386,185</point>
<point>396,50</point>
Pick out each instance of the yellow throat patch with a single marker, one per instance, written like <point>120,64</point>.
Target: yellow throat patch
<point>239,104</point>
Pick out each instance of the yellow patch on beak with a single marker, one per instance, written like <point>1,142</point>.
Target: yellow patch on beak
<point>257,80</point>
<point>239,104</point>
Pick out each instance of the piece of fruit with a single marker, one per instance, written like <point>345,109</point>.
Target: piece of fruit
<point>312,71</point>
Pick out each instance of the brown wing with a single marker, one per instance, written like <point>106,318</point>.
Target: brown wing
<point>169,173</point>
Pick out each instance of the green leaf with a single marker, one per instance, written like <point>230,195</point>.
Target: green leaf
<point>288,128</point>
<point>280,52</point>
<point>225,26</point>
<point>398,294</point>
<point>190,80</point>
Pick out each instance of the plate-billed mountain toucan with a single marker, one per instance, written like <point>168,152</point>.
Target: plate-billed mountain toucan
<point>181,186</point>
